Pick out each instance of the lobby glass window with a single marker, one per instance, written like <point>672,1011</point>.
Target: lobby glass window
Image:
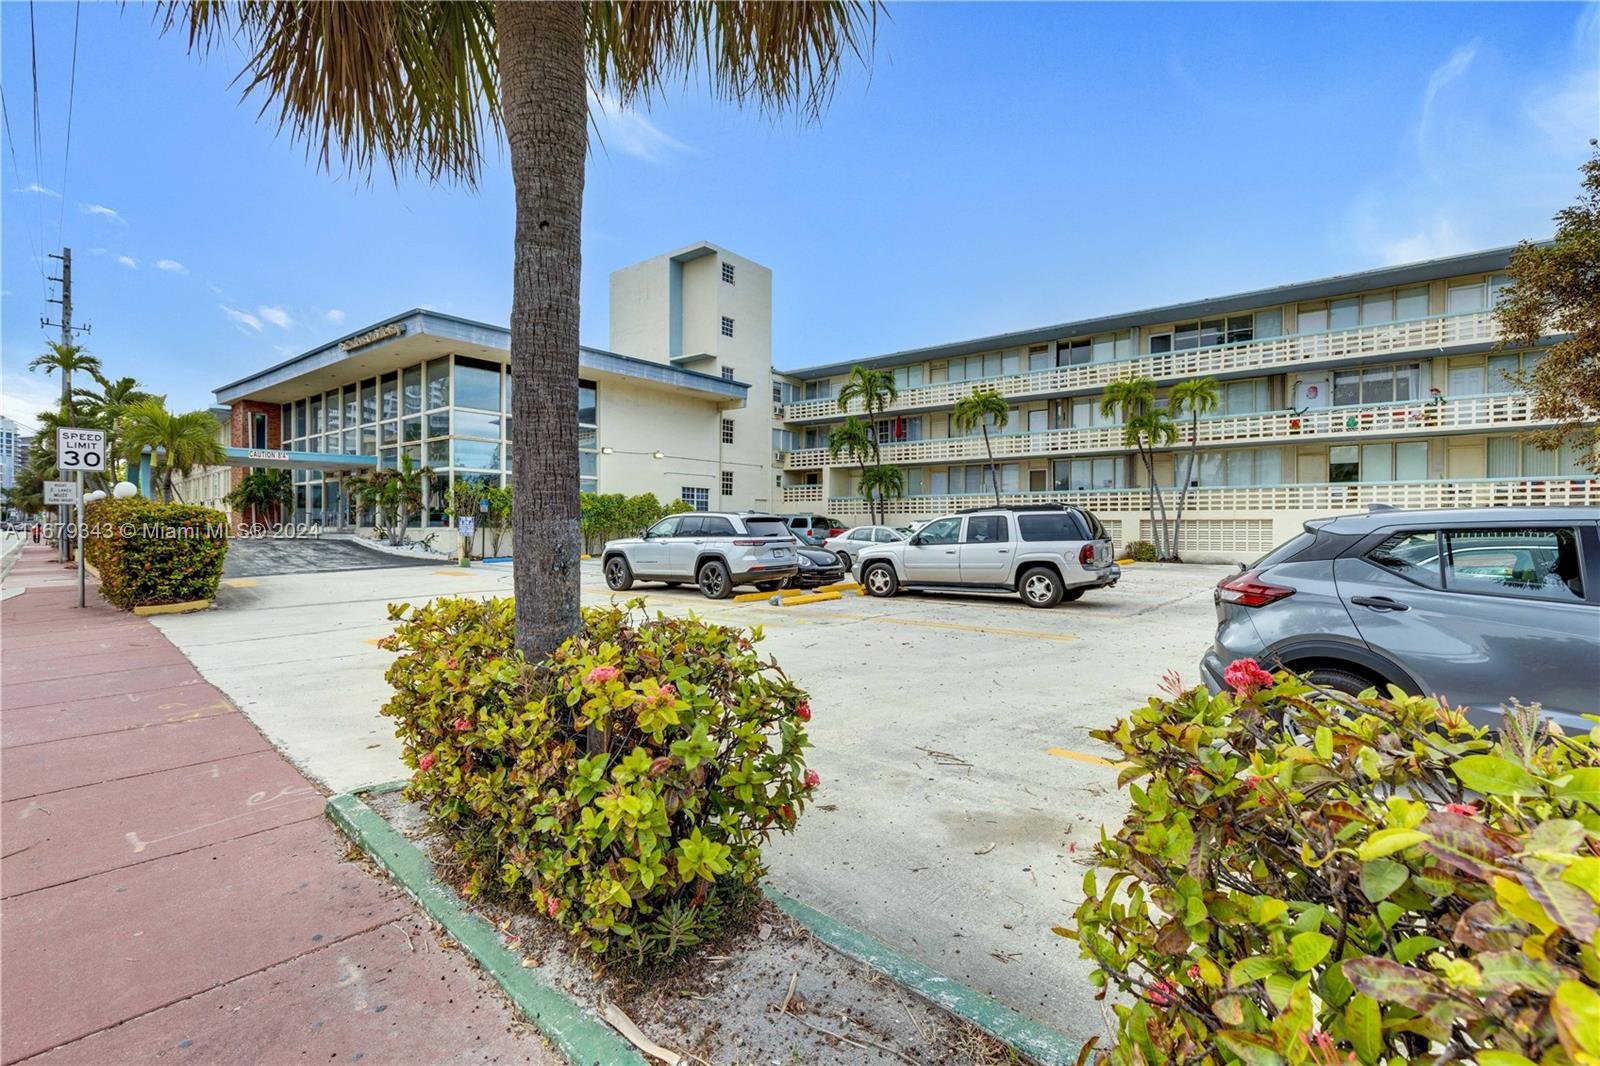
<point>439,424</point>
<point>369,401</point>
<point>286,421</point>
<point>412,390</point>
<point>314,407</point>
<point>369,440</point>
<point>300,418</point>
<point>388,434</point>
<point>477,384</point>
<point>475,454</point>
<point>349,406</point>
<point>473,424</point>
<point>389,395</point>
<point>258,431</point>
<point>439,383</point>
<point>411,429</point>
<point>437,452</point>
<point>587,403</point>
<point>350,445</point>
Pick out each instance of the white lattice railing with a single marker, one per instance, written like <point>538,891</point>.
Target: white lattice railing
<point>802,494</point>
<point>1275,352</point>
<point>1485,492</point>
<point>1508,410</point>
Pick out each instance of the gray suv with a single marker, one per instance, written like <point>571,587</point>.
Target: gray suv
<point>1045,554</point>
<point>716,551</point>
<point>1478,605</point>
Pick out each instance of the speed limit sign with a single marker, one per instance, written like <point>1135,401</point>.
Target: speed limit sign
<point>80,449</point>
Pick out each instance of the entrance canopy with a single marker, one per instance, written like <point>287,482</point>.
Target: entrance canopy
<point>286,460</point>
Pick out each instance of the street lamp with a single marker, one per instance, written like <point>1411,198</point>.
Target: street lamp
<point>125,489</point>
<point>93,496</point>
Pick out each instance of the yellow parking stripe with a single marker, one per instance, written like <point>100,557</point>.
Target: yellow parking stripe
<point>994,631</point>
<point>240,582</point>
<point>1080,756</point>
<point>463,572</point>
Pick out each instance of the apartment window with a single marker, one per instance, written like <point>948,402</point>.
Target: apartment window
<point>1075,353</point>
<point>1082,475</point>
<point>777,393</point>
<point>1242,466</point>
<point>1241,328</point>
<point>727,431</point>
<point>1382,384</point>
<point>1411,303</point>
<point>727,373</point>
<point>699,499</point>
<point>727,482</point>
<point>908,377</point>
<point>1465,296</point>
<point>1039,357</point>
<point>727,326</point>
<point>1268,324</point>
<point>587,403</point>
<point>727,273</point>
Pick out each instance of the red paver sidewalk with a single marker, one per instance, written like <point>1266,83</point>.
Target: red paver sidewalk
<point>171,889</point>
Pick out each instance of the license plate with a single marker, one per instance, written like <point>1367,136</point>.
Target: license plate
<point>780,551</point>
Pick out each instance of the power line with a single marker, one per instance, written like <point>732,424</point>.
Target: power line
<point>38,138</point>
<point>72,92</point>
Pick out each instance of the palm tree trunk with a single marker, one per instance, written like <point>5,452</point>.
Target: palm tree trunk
<point>1188,477</point>
<point>1150,497</point>
<point>544,93</point>
<point>1164,542</point>
<point>994,472</point>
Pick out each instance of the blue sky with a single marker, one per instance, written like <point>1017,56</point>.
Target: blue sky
<point>1004,166</point>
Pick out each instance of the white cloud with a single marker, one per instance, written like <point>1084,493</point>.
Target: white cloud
<point>242,318</point>
<point>39,190</point>
<point>24,395</point>
<point>628,131</point>
<point>102,211</point>
<point>128,261</point>
<point>334,315</point>
<point>277,316</point>
<point>172,266</point>
<point>1450,70</point>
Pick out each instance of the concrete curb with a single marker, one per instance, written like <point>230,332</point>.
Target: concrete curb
<point>583,1037</point>
<point>148,609</point>
<point>571,1027</point>
<point>1051,1047</point>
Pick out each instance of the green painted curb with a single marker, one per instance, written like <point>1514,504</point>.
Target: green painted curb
<point>1049,1046</point>
<point>573,1029</point>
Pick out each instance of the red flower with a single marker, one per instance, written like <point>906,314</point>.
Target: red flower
<point>450,664</point>
<point>667,693</point>
<point>787,812</point>
<point>551,905</point>
<point>803,712</point>
<point>426,761</point>
<point>462,725</point>
<point>1468,809</point>
<point>1245,676</point>
<point>1161,993</point>
<point>601,674</point>
<point>812,779</point>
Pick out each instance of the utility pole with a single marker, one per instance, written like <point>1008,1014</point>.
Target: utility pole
<point>67,330</point>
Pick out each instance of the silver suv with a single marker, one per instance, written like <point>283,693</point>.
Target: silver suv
<point>1045,554</point>
<point>1478,605</point>
<point>714,550</point>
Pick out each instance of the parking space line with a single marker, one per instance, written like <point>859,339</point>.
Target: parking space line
<point>994,631</point>
<point>463,572</point>
<point>1080,756</point>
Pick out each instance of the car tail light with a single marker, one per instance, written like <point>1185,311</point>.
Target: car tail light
<point>1086,555</point>
<point>1248,590</point>
<point>750,543</point>
<point>835,532</point>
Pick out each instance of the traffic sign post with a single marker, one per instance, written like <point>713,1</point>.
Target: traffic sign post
<point>59,492</point>
<point>464,527</point>
<point>79,451</point>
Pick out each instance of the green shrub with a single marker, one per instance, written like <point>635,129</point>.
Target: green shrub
<point>607,516</point>
<point>623,786</point>
<point>1307,878</point>
<point>150,553</point>
<point>1140,551</point>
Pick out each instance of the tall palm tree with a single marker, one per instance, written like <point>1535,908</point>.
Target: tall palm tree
<point>179,442</point>
<point>888,482</point>
<point>1145,428</point>
<point>1198,396</point>
<point>263,490</point>
<point>422,86</point>
<point>853,439</point>
<point>976,412</point>
<point>107,407</point>
<point>67,359</point>
<point>874,388</point>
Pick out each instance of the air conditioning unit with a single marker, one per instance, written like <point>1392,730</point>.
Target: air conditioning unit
<point>777,458</point>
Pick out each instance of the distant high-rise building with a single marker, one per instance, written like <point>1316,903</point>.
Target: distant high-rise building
<point>14,445</point>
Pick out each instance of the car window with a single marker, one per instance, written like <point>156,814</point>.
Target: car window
<point>1288,549</point>
<point>942,531</point>
<point>885,536</point>
<point>716,526</point>
<point>1051,525</point>
<point>797,523</point>
<point>832,523</point>
<point>1413,555</point>
<point>1538,563</point>
<point>987,529</point>
<point>860,534</point>
<point>665,528</point>
<point>1097,530</point>
<point>765,527</point>
<point>690,526</point>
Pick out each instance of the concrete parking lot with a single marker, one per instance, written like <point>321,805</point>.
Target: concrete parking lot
<point>960,787</point>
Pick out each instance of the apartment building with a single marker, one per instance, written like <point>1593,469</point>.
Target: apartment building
<point>1387,386</point>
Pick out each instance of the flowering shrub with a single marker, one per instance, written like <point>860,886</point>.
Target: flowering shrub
<point>1140,551</point>
<point>149,553</point>
<point>1309,878</point>
<point>623,786</point>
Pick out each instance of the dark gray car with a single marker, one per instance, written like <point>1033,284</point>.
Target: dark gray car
<point>1479,606</point>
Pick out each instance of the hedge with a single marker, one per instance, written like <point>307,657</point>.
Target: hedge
<point>151,553</point>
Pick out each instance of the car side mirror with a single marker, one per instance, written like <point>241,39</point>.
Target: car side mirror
<point>644,534</point>
<point>916,538</point>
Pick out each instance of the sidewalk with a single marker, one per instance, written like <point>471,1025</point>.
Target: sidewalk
<point>171,889</point>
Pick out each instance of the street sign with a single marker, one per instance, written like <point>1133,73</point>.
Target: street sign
<point>80,450</point>
<point>467,525</point>
<point>56,492</point>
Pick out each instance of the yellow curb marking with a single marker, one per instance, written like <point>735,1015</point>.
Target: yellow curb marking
<point>452,573</point>
<point>171,608</point>
<point>841,586</point>
<point>754,597</point>
<point>1085,757</point>
<point>241,582</point>
<point>1126,562</point>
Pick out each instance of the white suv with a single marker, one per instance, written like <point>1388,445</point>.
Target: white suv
<point>714,550</point>
<point>1045,554</point>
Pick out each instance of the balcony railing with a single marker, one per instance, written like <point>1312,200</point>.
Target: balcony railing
<point>1480,492</point>
<point>1435,331</point>
<point>1407,418</point>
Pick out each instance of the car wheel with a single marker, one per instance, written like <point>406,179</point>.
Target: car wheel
<point>619,575</point>
<point>844,560</point>
<point>1071,594</point>
<point>1040,588</point>
<point>880,581</point>
<point>1341,680</point>
<point>714,581</point>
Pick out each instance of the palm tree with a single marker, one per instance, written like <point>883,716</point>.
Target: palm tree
<point>107,409</point>
<point>179,442</point>
<point>976,412</point>
<point>853,438</point>
<point>889,482</point>
<point>874,388</point>
<point>422,86</point>
<point>1198,396</point>
<point>1145,428</point>
<point>68,359</point>
<point>264,490</point>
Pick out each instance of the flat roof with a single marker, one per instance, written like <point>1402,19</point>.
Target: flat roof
<point>419,334</point>
<point>1480,262</point>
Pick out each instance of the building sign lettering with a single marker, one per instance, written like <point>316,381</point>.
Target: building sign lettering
<point>372,336</point>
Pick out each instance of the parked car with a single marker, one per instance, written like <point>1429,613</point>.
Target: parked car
<point>818,566</point>
<point>1478,605</point>
<point>852,541</point>
<point>814,528</point>
<point>715,550</point>
<point>1045,554</point>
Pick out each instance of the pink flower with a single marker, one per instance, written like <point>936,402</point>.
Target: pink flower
<point>1468,809</point>
<point>803,712</point>
<point>667,693</point>
<point>787,812</point>
<point>1161,992</point>
<point>551,905</point>
<point>1245,676</point>
<point>1194,972</point>
<point>601,674</point>
<point>426,761</point>
<point>813,779</point>
<point>462,725</point>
